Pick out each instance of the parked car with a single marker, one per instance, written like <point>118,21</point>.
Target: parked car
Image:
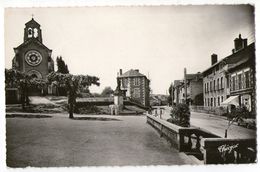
<point>247,122</point>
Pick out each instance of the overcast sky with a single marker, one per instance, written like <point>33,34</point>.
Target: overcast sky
<point>159,41</point>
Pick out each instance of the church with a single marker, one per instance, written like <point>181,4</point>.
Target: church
<point>32,57</point>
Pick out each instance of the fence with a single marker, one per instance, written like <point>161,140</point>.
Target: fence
<point>204,145</point>
<point>208,109</point>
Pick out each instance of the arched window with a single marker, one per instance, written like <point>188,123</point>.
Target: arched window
<point>30,34</point>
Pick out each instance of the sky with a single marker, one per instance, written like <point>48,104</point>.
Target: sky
<point>160,41</point>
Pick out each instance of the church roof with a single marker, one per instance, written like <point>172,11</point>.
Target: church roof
<point>32,40</point>
<point>32,22</point>
<point>132,73</point>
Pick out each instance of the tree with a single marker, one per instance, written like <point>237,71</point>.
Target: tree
<point>107,92</point>
<point>62,67</point>
<point>237,113</point>
<point>22,81</point>
<point>180,115</point>
<point>72,83</point>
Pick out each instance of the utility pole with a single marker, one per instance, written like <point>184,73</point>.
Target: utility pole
<point>172,93</point>
<point>185,85</point>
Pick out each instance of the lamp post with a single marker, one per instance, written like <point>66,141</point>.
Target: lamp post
<point>185,85</point>
<point>172,93</point>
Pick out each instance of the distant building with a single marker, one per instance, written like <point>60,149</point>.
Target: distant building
<point>194,89</point>
<point>222,75</point>
<point>135,85</point>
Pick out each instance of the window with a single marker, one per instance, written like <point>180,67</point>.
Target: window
<point>221,83</point>
<point>218,84</point>
<point>222,98</point>
<point>233,86</point>
<point>227,83</point>
<point>125,82</point>
<point>136,93</point>
<point>218,101</point>
<point>208,102</point>
<point>205,102</point>
<point>30,34</point>
<point>210,86</point>
<point>247,79</point>
<point>205,87</point>
<point>239,77</point>
<point>136,81</point>
<point>214,84</point>
<point>214,101</point>
<point>211,102</point>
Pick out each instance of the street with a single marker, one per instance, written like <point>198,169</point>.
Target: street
<point>60,141</point>
<point>215,124</point>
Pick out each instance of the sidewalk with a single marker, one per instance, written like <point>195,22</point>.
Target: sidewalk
<point>216,124</point>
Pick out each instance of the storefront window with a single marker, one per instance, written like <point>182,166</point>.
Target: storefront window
<point>246,101</point>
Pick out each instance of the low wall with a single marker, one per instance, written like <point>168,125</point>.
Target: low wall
<point>12,96</point>
<point>210,110</point>
<point>166,129</point>
<point>205,145</point>
<point>104,101</point>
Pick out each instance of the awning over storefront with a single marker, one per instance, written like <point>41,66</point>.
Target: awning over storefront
<point>232,100</point>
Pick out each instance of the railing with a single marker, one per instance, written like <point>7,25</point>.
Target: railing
<point>209,109</point>
<point>226,151</point>
<point>190,141</point>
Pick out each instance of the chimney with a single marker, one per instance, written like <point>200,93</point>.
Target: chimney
<point>214,59</point>
<point>120,72</point>
<point>240,43</point>
<point>137,70</point>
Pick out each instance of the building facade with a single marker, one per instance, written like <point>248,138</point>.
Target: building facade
<point>32,57</point>
<point>215,83</point>
<point>243,80</point>
<point>135,86</point>
<point>218,79</point>
<point>188,93</point>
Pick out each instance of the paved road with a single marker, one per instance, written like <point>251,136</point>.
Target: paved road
<point>59,141</point>
<point>215,125</point>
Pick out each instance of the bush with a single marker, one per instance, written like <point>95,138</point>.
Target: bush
<point>91,109</point>
<point>181,115</point>
<point>239,113</point>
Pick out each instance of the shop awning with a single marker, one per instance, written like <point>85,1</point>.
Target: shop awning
<point>232,100</point>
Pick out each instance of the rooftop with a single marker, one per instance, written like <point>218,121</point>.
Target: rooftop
<point>32,22</point>
<point>233,58</point>
<point>132,73</point>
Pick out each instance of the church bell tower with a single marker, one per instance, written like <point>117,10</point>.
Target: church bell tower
<point>32,30</point>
